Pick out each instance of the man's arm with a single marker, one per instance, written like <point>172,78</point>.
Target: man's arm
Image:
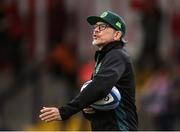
<point>110,71</point>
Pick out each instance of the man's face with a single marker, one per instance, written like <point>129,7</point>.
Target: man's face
<point>102,34</point>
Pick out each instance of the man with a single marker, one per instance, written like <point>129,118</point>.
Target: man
<point>113,68</point>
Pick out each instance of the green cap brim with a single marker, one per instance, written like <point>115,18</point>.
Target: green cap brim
<point>94,19</point>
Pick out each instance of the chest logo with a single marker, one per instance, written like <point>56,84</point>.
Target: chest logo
<point>97,68</point>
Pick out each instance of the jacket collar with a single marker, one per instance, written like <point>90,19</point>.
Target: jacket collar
<point>108,47</point>
<point>111,45</point>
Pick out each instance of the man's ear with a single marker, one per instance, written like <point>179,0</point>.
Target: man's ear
<point>117,35</point>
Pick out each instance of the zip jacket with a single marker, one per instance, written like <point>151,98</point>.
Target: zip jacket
<point>113,68</point>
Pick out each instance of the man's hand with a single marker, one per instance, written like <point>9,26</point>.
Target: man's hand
<point>89,110</point>
<point>50,114</point>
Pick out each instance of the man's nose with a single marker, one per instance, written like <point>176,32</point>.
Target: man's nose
<point>96,30</point>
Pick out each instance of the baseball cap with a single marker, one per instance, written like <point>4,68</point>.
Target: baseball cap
<point>111,18</point>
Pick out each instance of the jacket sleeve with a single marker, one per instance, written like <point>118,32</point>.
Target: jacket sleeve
<point>112,67</point>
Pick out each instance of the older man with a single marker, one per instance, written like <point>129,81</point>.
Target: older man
<point>113,68</point>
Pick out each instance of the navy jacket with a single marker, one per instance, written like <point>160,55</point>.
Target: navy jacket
<point>113,68</point>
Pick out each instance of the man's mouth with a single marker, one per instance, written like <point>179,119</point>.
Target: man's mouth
<point>95,37</point>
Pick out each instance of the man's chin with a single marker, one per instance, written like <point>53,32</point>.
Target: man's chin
<point>97,44</point>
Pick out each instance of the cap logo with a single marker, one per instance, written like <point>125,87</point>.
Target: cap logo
<point>104,14</point>
<point>118,24</point>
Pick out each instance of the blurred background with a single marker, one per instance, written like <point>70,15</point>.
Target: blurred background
<point>46,55</point>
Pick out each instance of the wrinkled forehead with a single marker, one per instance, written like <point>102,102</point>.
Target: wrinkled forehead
<point>98,23</point>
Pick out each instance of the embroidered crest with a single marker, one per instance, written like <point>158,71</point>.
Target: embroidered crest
<point>104,14</point>
<point>118,24</point>
<point>97,68</point>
